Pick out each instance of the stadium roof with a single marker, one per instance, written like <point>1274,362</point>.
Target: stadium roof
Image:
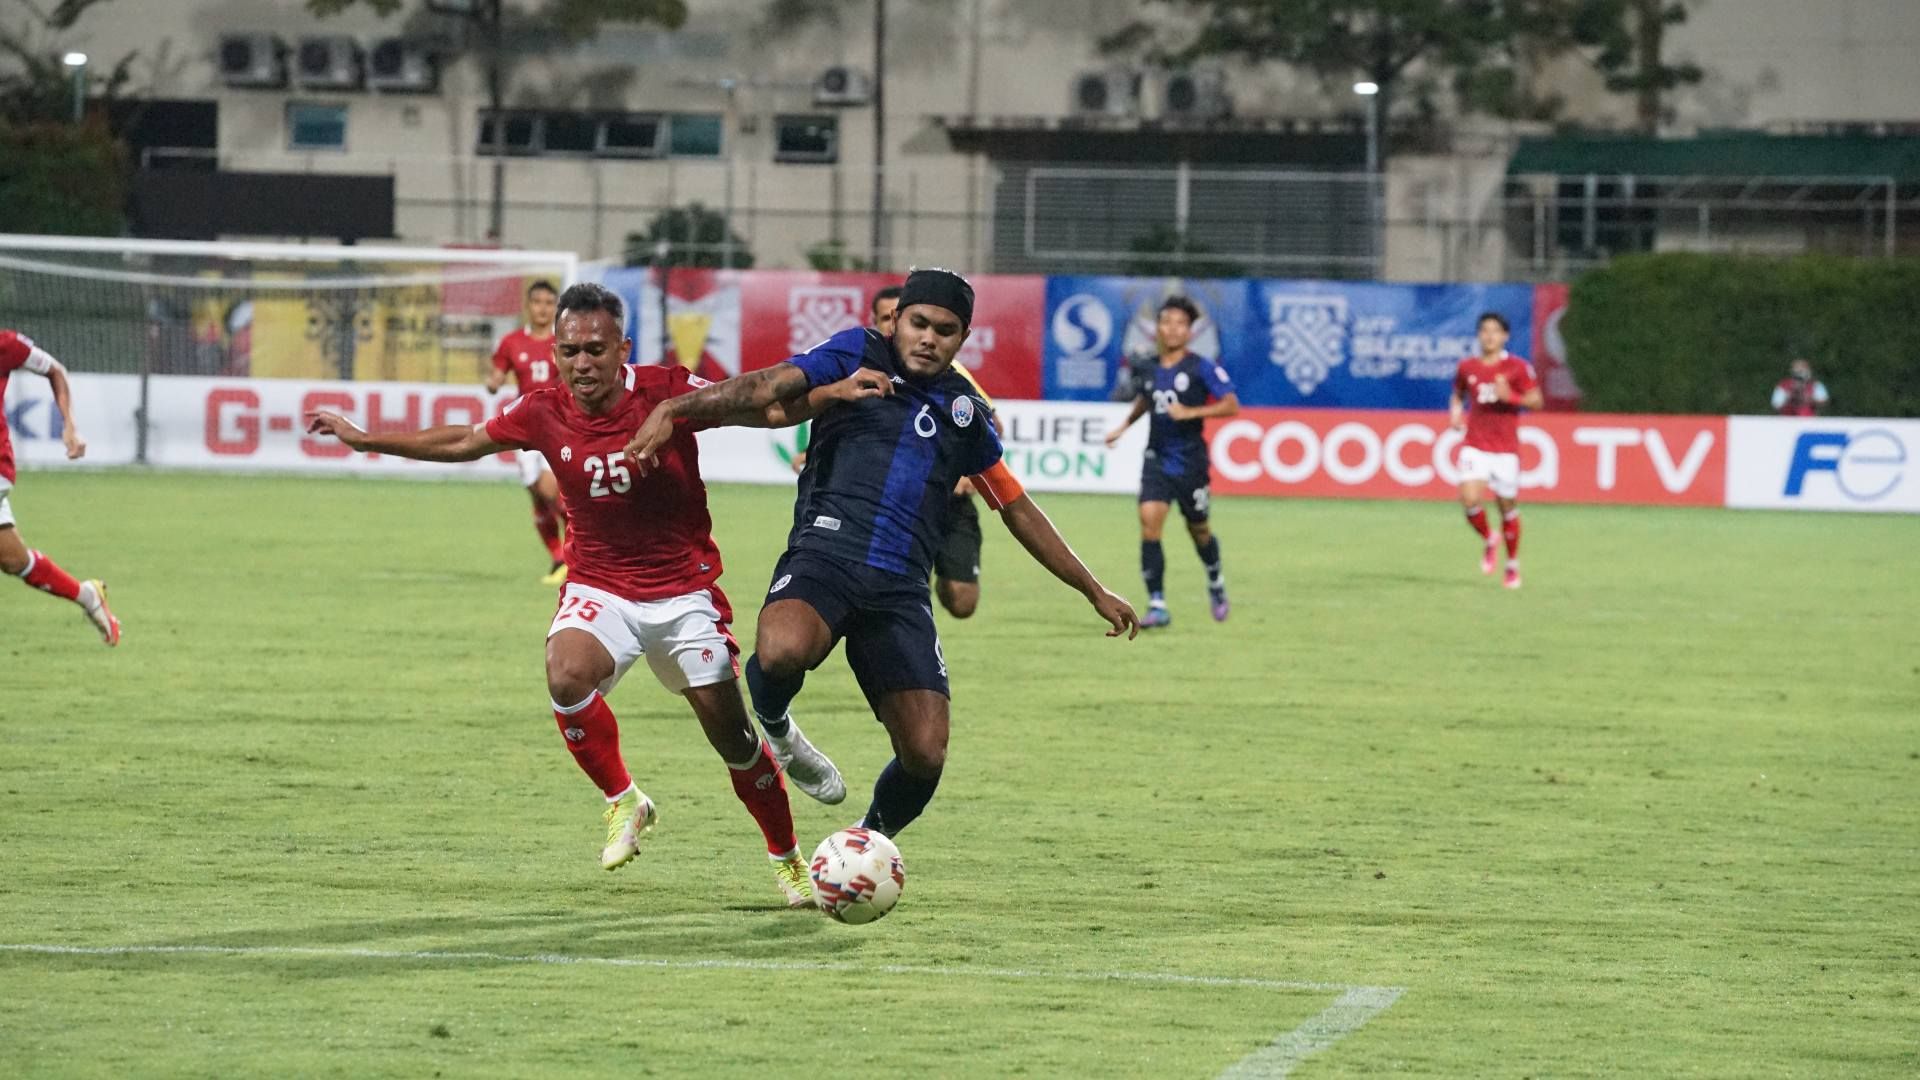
<point>1722,154</point>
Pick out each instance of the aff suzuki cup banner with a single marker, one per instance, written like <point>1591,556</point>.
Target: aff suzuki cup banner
<point>1286,343</point>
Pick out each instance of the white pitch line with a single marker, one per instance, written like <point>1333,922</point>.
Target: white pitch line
<point>1339,1020</point>
<point>1355,1006</point>
<point>432,956</point>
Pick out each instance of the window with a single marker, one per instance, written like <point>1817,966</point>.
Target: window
<point>632,135</point>
<point>569,133</point>
<point>519,130</point>
<point>316,127</point>
<point>694,135</point>
<point>806,139</point>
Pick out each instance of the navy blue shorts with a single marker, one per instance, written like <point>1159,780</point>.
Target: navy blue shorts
<point>1190,490</point>
<point>885,619</point>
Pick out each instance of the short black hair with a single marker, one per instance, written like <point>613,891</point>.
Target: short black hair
<point>1182,305</point>
<point>588,296</point>
<point>542,285</point>
<point>1505,326</point>
<point>891,292</point>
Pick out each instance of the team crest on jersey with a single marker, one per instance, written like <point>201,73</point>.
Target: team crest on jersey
<point>566,453</point>
<point>697,382</point>
<point>781,584</point>
<point>963,410</point>
<point>1181,382</point>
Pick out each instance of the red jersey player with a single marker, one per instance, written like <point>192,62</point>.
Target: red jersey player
<point>1489,391</point>
<point>527,355</point>
<point>18,351</point>
<point>643,574</point>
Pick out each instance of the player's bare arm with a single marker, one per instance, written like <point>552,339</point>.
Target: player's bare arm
<point>1140,407</point>
<point>864,383</point>
<point>1221,407</point>
<point>449,442</point>
<point>1036,532</point>
<point>496,378</point>
<point>1532,399</point>
<point>63,400</point>
<point>742,396</point>
<point>1456,412</point>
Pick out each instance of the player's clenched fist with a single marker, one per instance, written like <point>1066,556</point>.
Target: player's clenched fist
<point>332,423</point>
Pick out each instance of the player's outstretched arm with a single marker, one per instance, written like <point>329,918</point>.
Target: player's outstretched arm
<point>1140,407</point>
<point>864,383</point>
<point>63,400</point>
<point>450,442</point>
<point>741,400</point>
<point>1031,526</point>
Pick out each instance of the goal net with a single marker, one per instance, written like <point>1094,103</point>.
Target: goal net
<point>154,307</point>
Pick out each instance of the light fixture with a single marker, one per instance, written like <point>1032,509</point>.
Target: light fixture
<point>1366,89</point>
<point>75,59</point>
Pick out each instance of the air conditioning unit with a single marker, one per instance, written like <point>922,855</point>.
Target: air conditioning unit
<point>1195,95</point>
<point>842,88</point>
<point>257,61</point>
<point>1114,93</point>
<point>328,62</point>
<point>402,66</point>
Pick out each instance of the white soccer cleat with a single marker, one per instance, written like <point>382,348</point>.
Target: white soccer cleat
<point>101,616</point>
<point>810,770</point>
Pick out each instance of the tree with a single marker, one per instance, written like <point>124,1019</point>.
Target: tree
<point>1627,39</point>
<point>493,24</point>
<point>58,176</point>
<point>694,235</point>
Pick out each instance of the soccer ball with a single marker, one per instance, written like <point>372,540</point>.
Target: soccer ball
<point>857,875</point>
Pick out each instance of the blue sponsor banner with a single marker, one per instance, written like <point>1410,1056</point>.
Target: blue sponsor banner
<point>1285,343</point>
<point>1095,324</point>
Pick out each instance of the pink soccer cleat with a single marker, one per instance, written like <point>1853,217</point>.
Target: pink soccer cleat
<point>1491,557</point>
<point>1513,577</point>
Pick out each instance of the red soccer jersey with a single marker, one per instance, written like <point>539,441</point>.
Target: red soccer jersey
<point>637,537</point>
<point>15,347</point>
<point>1492,425</point>
<point>529,358</point>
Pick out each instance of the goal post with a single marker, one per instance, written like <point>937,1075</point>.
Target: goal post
<point>254,310</point>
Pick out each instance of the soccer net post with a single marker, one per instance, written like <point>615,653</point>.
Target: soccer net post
<point>246,310</point>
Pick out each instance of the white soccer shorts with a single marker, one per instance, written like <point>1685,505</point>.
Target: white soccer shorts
<point>532,463</point>
<point>6,504</point>
<point>683,638</point>
<point>1500,472</point>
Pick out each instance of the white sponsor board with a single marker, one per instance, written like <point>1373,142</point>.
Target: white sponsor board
<point>1050,446</point>
<point>211,423</point>
<point>104,408</point>
<point>1816,463</point>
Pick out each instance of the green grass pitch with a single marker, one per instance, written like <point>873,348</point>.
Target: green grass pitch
<point>1658,813</point>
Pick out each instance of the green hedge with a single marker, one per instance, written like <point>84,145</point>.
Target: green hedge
<point>1713,334</point>
<point>66,179</point>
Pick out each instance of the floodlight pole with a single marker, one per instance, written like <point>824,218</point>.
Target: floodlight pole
<point>76,62</point>
<point>879,133</point>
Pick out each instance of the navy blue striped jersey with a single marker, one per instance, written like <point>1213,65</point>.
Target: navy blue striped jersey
<point>880,470</point>
<point>1179,447</point>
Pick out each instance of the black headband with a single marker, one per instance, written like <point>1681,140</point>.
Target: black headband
<point>941,288</point>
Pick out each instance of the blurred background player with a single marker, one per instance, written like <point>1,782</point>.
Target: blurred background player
<point>1489,391</point>
<point>644,573</point>
<point>18,351</point>
<point>1800,394</point>
<point>527,355</point>
<point>1183,391</point>
<point>882,472</point>
<point>956,565</point>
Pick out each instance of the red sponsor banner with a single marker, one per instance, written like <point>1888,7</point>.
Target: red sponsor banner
<point>1594,458</point>
<point>783,313</point>
<point>1549,353</point>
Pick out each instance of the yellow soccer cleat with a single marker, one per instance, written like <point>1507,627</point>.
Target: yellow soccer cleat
<point>795,882</point>
<point>629,819</point>
<point>556,576</point>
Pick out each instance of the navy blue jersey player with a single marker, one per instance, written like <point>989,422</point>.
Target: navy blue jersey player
<point>1182,392</point>
<point>880,472</point>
